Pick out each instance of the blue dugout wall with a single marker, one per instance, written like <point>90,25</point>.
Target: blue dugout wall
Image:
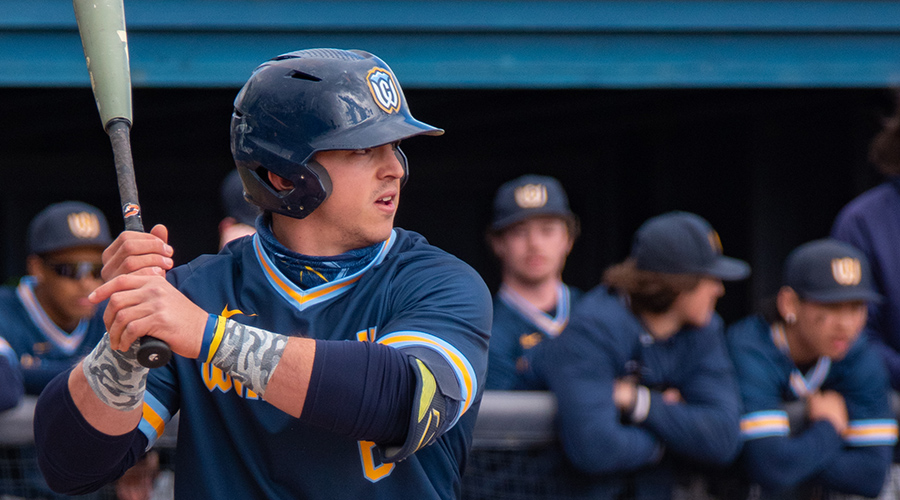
<point>481,44</point>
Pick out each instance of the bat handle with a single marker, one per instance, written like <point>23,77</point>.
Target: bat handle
<point>152,352</point>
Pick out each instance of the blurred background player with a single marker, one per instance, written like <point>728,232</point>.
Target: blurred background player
<point>240,214</point>
<point>532,233</point>
<point>871,223</point>
<point>643,383</point>
<point>48,319</point>
<point>808,348</point>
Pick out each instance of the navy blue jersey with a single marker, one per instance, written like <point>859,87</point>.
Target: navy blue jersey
<point>871,222</point>
<point>780,457</point>
<point>44,349</point>
<point>519,326</point>
<point>232,444</point>
<point>606,341</point>
<point>10,377</point>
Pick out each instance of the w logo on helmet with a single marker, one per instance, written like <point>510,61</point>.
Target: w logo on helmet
<point>84,225</point>
<point>846,271</point>
<point>384,89</point>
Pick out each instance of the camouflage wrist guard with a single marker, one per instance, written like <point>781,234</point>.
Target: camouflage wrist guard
<point>249,354</point>
<point>116,377</point>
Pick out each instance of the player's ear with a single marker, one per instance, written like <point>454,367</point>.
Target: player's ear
<point>279,182</point>
<point>787,301</point>
<point>34,268</point>
<point>495,242</point>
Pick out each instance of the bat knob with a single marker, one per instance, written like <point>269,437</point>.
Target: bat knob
<point>153,352</point>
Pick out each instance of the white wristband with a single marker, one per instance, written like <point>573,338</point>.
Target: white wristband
<point>641,405</point>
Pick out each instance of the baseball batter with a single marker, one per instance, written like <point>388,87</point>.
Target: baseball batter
<point>330,355</point>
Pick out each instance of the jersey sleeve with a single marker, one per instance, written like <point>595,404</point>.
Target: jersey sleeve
<point>580,366</point>
<point>75,458</point>
<point>442,317</point>
<point>861,466</point>
<point>11,388</point>
<point>705,427</point>
<point>160,403</point>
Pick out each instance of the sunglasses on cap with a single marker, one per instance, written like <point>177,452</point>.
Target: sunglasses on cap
<point>76,270</point>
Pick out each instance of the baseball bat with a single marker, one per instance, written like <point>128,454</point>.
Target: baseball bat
<point>101,24</point>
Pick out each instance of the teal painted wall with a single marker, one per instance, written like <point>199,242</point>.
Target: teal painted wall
<point>480,44</point>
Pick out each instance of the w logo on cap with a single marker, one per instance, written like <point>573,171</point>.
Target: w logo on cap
<point>846,271</point>
<point>84,225</point>
<point>531,196</point>
<point>384,89</point>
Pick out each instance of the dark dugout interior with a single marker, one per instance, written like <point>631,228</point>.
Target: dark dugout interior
<point>768,168</point>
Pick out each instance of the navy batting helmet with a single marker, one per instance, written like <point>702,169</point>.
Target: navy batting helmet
<point>314,100</point>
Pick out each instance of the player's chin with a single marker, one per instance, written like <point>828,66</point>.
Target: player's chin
<point>379,232</point>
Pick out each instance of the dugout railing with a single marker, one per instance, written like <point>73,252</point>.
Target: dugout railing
<point>513,442</point>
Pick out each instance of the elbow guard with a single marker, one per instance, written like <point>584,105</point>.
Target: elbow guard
<point>431,415</point>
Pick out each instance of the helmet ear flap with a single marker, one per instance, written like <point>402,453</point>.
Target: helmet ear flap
<point>324,178</point>
<point>401,157</point>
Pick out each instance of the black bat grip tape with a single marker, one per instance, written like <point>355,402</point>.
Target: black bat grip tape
<point>152,352</point>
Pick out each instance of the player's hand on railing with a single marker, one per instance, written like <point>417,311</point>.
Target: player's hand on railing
<point>142,305</point>
<point>830,406</point>
<point>134,252</point>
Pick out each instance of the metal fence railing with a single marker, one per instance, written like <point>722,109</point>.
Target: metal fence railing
<point>514,455</point>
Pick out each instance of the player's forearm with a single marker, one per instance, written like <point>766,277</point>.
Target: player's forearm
<point>780,462</point>
<point>289,383</point>
<point>858,471</point>
<point>708,434</point>
<point>102,417</point>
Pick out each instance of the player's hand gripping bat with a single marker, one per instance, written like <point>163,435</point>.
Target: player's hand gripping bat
<point>101,24</point>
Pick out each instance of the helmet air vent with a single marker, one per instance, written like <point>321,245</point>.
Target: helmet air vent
<point>299,75</point>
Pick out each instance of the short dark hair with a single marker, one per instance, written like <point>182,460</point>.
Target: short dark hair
<point>649,291</point>
<point>884,150</point>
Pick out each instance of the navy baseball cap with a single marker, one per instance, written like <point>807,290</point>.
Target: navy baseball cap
<point>829,270</point>
<point>684,243</point>
<point>232,192</point>
<point>529,196</point>
<point>67,224</point>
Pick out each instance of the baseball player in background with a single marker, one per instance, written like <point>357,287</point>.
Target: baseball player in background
<point>808,348</point>
<point>47,318</point>
<point>871,223</point>
<point>532,233</point>
<point>330,355</point>
<point>240,215</point>
<point>643,382</point>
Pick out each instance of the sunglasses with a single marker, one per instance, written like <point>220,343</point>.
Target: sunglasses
<point>76,270</point>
